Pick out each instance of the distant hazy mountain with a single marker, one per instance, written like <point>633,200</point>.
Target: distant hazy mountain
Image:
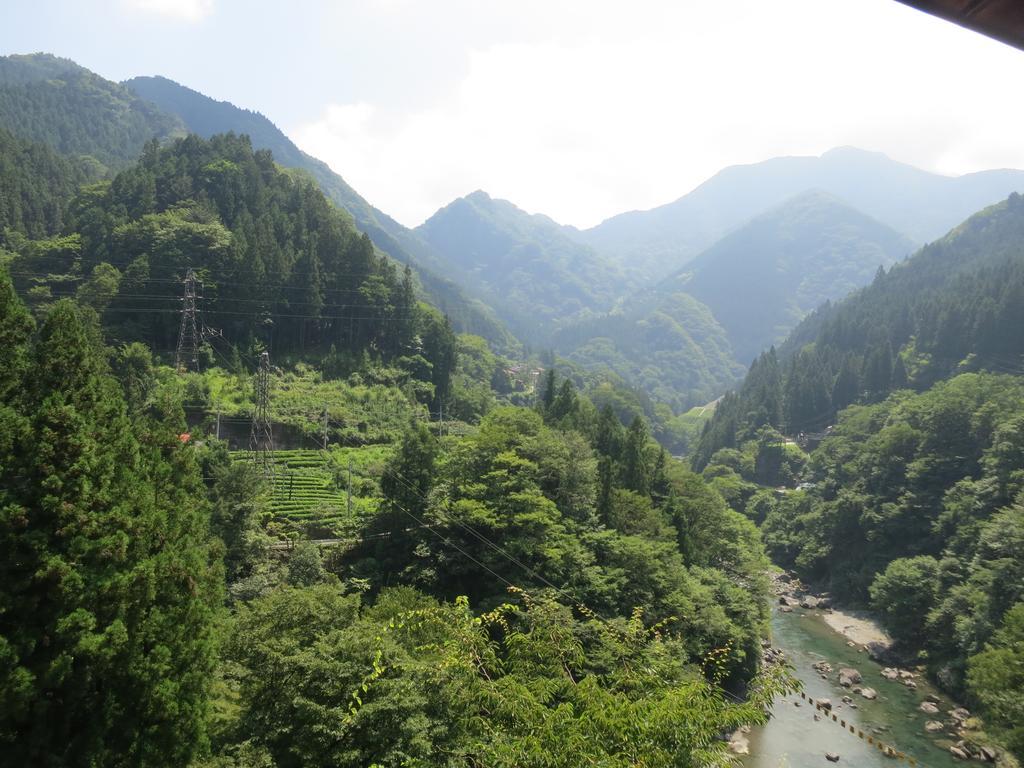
<point>762,279</point>
<point>921,205</point>
<point>76,112</point>
<point>206,117</point>
<point>523,265</point>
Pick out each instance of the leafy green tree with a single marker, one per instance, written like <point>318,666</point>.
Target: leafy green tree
<point>305,565</point>
<point>904,594</point>
<point>995,678</point>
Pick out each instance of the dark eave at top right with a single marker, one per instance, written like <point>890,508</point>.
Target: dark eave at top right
<point>999,19</point>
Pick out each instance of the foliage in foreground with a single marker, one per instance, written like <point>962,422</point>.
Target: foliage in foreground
<point>109,581</point>
<point>316,678</point>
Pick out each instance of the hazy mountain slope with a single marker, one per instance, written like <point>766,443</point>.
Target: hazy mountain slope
<point>956,305</point>
<point>670,346</point>
<point>921,205</point>
<point>206,117</point>
<point>523,265</point>
<point>760,280</point>
<point>56,102</point>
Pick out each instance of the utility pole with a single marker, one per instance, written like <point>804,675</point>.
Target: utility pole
<point>324,434</point>
<point>218,422</point>
<point>186,357</point>
<point>261,439</point>
<point>349,487</point>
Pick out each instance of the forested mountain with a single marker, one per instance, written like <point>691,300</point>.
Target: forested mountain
<point>671,347</point>
<point>207,117</point>
<point>523,265</point>
<point>920,205</point>
<point>762,279</point>
<point>36,185</point>
<point>946,309</point>
<point>56,102</point>
<point>281,267</point>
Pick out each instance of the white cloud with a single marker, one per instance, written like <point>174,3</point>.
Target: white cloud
<point>613,108</point>
<point>191,11</point>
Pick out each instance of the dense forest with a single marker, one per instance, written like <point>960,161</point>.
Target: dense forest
<point>98,120</point>
<point>281,268</point>
<point>623,589</point>
<point>206,117</point>
<point>947,309</point>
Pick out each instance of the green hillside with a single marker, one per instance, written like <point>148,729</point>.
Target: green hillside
<point>76,112</point>
<point>762,279</point>
<point>945,310</point>
<point>207,117</point>
<point>523,265</point>
<point>281,267</point>
<point>36,186</point>
<point>673,349</point>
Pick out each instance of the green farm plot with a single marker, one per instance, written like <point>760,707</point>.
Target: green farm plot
<point>311,489</point>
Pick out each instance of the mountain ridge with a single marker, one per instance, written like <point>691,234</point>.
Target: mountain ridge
<point>920,204</point>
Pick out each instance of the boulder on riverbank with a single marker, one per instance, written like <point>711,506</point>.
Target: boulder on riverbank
<point>739,744</point>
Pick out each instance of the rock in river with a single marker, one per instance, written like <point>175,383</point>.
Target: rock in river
<point>928,708</point>
<point>934,726</point>
<point>848,677</point>
<point>869,693</point>
<point>832,757</point>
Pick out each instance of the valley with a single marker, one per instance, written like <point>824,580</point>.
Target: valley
<point>287,483</point>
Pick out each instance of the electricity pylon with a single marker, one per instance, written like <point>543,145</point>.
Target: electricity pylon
<point>261,439</point>
<point>187,356</point>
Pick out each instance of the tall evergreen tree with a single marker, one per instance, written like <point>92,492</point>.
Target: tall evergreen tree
<point>106,585</point>
<point>636,475</point>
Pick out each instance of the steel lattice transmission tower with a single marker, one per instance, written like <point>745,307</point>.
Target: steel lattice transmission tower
<point>261,439</point>
<point>187,356</point>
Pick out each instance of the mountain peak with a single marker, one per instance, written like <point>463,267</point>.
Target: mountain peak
<point>854,153</point>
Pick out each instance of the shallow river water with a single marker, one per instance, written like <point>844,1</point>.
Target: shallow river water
<point>793,739</point>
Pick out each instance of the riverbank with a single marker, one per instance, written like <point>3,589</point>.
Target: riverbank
<point>840,657</point>
<point>858,627</point>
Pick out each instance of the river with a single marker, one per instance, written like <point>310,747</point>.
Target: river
<point>793,739</point>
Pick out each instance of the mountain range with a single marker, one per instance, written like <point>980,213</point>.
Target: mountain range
<point>921,205</point>
<point>675,300</point>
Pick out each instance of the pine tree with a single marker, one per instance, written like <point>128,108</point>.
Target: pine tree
<point>564,403</point>
<point>846,388</point>
<point>609,433</point>
<point>107,585</point>
<point>635,471</point>
<point>548,393</point>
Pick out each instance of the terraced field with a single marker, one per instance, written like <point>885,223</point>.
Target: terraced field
<point>310,490</point>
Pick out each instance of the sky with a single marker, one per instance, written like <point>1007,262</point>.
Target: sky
<point>579,109</point>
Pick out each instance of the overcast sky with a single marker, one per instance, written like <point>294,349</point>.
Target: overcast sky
<point>579,109</point>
